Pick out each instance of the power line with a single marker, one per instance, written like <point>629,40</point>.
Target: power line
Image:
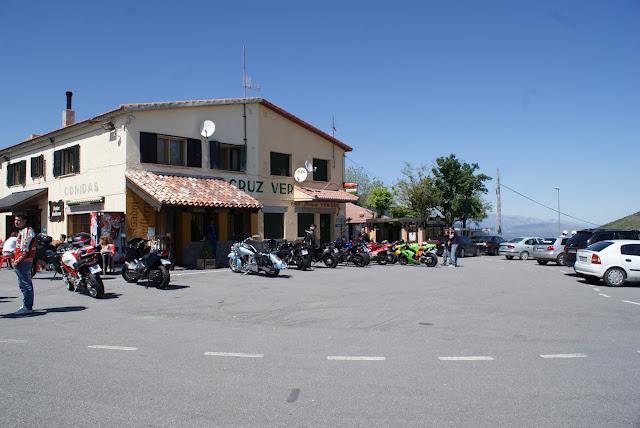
<point>546,206</point>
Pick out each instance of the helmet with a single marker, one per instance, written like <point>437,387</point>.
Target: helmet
<point>573,232</point>
<point>80,239</point>
<point>565,233</point>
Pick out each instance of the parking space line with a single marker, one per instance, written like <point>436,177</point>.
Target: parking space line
<point>113,348</point>
<point>348,358</point>
<point>603,295</point>
<point>13,341</point>
<point>596,289</point>
<point>469,358</point>
<point>633,303</point>
<point>564,356</point>
<point>233,354</point>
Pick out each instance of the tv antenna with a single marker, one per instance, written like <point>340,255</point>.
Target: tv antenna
<point>246,79</point>
<point>333,126</point>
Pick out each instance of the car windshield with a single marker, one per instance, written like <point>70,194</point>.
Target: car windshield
<point>599,246</point>
<point>515,240</point>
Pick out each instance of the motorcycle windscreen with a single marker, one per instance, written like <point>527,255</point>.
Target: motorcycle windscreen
<point>276,262</point>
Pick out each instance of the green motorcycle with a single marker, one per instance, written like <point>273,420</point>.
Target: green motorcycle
<point>417,254</point>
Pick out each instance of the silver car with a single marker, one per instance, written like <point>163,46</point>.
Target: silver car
<point>552,250</point>
<point>519,247</point>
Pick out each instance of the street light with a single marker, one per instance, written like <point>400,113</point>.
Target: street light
<point>559,230</point>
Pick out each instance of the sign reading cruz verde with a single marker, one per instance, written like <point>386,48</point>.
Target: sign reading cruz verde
<point>260,186</point>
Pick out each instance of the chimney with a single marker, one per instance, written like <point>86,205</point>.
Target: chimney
<point>68,115</point>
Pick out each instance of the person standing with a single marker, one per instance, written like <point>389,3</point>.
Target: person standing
<point>454,248</point>
<point>446,255</point>
<point>24,254</point>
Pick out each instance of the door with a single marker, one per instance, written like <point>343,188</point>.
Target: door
<point>305,220</point>
<point>528,245</point>
<point>325,228</point>
<point>631,260</point>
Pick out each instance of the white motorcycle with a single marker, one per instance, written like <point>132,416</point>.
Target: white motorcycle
<point>244,258</point>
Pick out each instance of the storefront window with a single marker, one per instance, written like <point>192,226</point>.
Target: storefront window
<point>304,222</point>
<point>79,223</point>
<point>273,225</point>
<point>280,164</point>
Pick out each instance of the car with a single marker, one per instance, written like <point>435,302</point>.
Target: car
<point>552,250</point>
<point>489,244</point>
<point>616,262</point>
<point>466,247</point>
<point>519,247</point>
<point>586,237</point>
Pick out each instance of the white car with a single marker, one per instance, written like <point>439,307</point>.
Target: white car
<point>616,262</point>
<point>519,247</point>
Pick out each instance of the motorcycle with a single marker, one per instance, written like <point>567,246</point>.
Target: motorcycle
<point>327,254</point>
<point>143,263</point>
<point>292,253</point>
<point>46,257</point>
<point>244,258</point>
<point>417,254</point>
<point>349,253</point>
<point>80,266</point>
<point>381,252</point>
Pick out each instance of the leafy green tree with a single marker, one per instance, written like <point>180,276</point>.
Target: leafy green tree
<point>379,199</point>
<point>415,191</point>
<point>401,212</point>
<point>366,182</point>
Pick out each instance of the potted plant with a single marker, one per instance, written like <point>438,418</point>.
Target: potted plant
<point>206,260</point>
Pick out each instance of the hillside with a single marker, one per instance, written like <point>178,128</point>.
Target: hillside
<point>629,222</point>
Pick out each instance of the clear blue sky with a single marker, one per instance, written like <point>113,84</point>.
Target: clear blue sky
<point>547,91</point>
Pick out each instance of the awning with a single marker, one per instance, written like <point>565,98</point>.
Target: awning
<point>158,189</point>
<point>302,194</point>
<point>90,201</point>
<point>16,199</point>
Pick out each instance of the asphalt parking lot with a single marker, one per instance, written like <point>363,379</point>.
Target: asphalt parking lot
<point>492,343</point>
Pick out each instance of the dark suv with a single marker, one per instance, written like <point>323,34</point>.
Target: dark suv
<point>489,244</point>
<point>586,237</point>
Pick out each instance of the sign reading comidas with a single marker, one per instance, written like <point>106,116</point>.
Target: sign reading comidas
<point>56,210</point>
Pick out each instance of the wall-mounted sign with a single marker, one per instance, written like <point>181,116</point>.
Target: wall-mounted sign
<point>259,186</point>
<point>350,187</point>
<point>81,189</point>
<point>56,210</point>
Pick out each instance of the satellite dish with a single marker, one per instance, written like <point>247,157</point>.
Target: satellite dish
<point>300,175</point>
<point>308,165</point>
<point>207,129</point>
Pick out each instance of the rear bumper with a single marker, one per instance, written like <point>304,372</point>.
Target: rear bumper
<point>589,269</point>
<point>509,252</point>
<point>545,255</point>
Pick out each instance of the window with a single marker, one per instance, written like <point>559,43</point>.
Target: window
<point>630,250</point>
<point>171,150</point>
<point>79,223</point>
<point>37,166</point>
<point>273,225</point>
<point>599,246</point>
<point>280,164</point>
<point>321,170</point>
<point>66,161</point>
<point>17,173</point>
<point>626,234</point>
<point>304,222</point>
<point>604,236</point>
<point>229,157</point>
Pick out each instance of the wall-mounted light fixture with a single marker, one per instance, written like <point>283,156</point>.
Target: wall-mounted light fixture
<point>51,140</point>
<point>109,126</point>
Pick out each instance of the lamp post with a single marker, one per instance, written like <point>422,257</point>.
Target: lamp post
<point>559,230</point>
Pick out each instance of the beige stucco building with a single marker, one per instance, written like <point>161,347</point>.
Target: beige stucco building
<point>144,170</point>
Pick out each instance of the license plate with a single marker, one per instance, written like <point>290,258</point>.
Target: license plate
<point>304,252</point>
<point>95,269</point>
<point>572,250</point>
<point>583,259</point>
<point>335,250</point>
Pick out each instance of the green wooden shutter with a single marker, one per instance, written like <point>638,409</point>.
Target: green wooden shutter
<point>75,159</point>
<point>148,147</point>
<point>243,157</point>
<point>194,153</point>
<point>22,172</point>
<point>214,149</point>
<point>9,175</point>
<point>34,167</point>
<point>57,163</point>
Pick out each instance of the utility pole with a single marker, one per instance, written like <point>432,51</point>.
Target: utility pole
<point>499,203</point>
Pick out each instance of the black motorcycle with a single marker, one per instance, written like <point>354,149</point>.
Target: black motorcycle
<point>328,254</point>
<point>46,258</point>
<point>142,263</point>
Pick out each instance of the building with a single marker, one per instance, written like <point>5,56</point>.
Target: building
<point>144,170</point>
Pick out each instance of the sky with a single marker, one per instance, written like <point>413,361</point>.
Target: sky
<point>546,91</point>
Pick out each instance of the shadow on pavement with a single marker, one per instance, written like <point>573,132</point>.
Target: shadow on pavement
<point>40,312</point>
<point>4,299</point>
<point>108,296</point>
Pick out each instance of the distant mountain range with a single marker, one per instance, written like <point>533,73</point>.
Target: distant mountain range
<point>516,225</point>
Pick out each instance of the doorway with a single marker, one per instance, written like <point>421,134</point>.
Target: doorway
<point>325,228</point>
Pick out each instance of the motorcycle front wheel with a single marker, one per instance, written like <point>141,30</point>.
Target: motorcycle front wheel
<point>392,258</point>
<point>431,260</point>
<point>131,278</point>
<point>382,258</point>
<point>272,273</point>
<point>161,277</point>
<point>330,261</point>
<point>95,287</point>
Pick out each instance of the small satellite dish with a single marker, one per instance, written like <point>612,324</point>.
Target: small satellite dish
<point>208,128</point>
<point>300,175</point>
<point>308,165</point>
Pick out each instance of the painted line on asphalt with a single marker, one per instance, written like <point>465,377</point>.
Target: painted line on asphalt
<point>470,358</point>
<point>233,354</point>
<point>200,273</point>
<point>633,303</point>
<point>564,356</point>
<point>603,295</point>
<point>596,289</point>
<point>351,358</point>
<point>113,348</point>
<point>13,341</point>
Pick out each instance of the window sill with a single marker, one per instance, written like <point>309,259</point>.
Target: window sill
<point>67,175</point>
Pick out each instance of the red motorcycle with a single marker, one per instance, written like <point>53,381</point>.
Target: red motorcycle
<point>80,265</point>
<point>381,253</point>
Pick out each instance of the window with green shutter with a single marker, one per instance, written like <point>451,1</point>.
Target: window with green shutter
<point>17,173</point>
<point>66,161</point>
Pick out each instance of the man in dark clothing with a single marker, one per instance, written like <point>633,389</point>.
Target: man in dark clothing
<point>454,241</point>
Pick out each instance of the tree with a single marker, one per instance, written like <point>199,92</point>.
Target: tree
<point>379,199</point>
<point>415,191</point>
<point>357,174</point>
<point>401,212</point>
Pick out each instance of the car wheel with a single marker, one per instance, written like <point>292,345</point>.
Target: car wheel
<point>615,277</point>
<point>524,255</point>
<point>509,257</point>
<point>560,259</point>
<point>542,262</point>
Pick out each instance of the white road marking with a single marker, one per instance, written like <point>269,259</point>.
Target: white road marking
<point>472,358</point>
<point>113,348</point>
<point>633,303</point>
<point>13,341</point>
<point>596,289</point>
<point>603,295</point>
<point>564,272</point>
<point>564,356</point>
<point>347,358</point>
<point>233,354</point>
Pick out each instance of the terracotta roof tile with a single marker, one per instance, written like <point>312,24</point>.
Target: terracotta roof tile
<point>357,214</point>
<point>191,191</point>
<point>328,195</point>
